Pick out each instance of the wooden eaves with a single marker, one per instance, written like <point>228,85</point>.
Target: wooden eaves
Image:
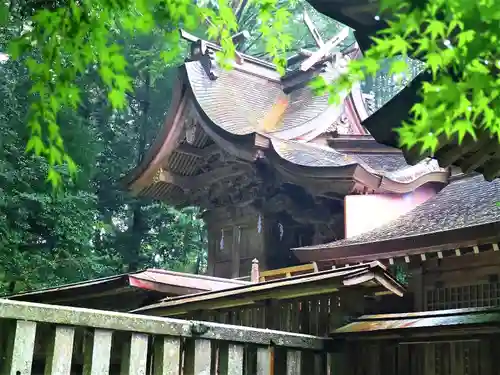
<point>371,275</point>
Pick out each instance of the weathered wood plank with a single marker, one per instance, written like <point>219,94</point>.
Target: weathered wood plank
<point>329,364</point>
<point>60,351</point>
<point>135,355</point>
<point>198,357</point>
<point>231,359</point>
<point>293,362</point>
<point>19,356</point>
<point>319,363</point>
<point>235,253</point>
<point>153,325</point>
<point>97,353</point>
<point>263,361</point>
<point>167,356</point>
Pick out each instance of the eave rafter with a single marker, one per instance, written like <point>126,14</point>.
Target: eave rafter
<point>191,183</point>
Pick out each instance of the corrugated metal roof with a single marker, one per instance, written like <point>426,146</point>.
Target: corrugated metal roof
<point>388,323</point>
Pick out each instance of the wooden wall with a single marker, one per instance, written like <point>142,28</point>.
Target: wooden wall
<point>234,240</point>
<point>471,280</point>
<point>236,236</point>
<point>465,357</point>
<point>315,315</point>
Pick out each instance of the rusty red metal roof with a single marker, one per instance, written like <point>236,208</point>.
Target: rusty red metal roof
<point>161,282</point>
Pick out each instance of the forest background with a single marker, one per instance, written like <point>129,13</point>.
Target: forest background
<point>93,228</point>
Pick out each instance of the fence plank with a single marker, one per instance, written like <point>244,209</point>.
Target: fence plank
<point>167,356</point>
<point>263,361</point>
<point>20,349</point>
<point>231,359</point>
<point>135,355</point>
<point>198,357</point>
<point>60,351</point>
<point>293,362</point>
<point>97,353</point>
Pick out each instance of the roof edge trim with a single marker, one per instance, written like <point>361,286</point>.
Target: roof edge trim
<point>163,144</point>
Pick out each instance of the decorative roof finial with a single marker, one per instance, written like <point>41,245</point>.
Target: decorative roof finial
<point>312,63</point>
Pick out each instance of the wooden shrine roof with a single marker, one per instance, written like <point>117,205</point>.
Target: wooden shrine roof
<point>481,155</point>
<point>367,275</point>
<point>455,322</point>
<point>134,288</point>
<point>465,213</point>
<point>225,116</point>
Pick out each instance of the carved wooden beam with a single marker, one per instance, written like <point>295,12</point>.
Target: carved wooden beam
<point>189,183</point>
<point>187,149</point>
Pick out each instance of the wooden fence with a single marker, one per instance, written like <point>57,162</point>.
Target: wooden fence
<point>315,315</point>
<point>53,340</point>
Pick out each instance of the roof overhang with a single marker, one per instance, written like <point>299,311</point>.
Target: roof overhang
<point>155,283</point>
<point>372,275</point>
<point>402,247</point>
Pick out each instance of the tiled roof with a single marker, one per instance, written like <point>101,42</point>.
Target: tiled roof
<point>238,101</point>
<point>468,202</point>
<point>389,165</point>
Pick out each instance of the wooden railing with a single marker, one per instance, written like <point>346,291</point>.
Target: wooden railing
<point>36,339</point>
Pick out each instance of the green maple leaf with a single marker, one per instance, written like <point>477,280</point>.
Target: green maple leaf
<point>463,127</point>
<point>465,37</point>
<point>117,98</point>
<point>35,144</point>
<point>430,143</point>
<point>436,29</point>
<point>54,177</point>
<point>434,62</point>
<point>399,46</point>
<point>118,62</point>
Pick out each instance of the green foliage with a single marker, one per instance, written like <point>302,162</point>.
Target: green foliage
<point>92,228</point>
<point>457,41</point>
<point>67,41</point>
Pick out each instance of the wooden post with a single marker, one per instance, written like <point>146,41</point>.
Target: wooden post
<point>255,273</point>
<point>235,254</point>
<point>212,253</point>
